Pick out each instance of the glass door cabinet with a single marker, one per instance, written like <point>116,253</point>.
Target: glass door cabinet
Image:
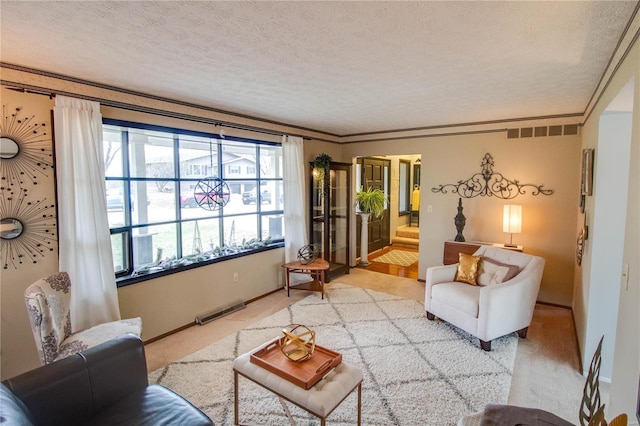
<point>330,213</point>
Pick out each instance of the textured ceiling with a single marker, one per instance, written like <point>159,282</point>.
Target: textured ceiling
<point>337,67</point>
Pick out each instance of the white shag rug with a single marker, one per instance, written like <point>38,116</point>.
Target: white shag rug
<point>416,371</point>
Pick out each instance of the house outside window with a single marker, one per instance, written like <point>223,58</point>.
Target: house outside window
<point>154,178</point>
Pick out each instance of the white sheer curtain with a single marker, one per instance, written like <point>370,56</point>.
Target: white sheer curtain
<point>295,221</point>
<point>83,228</point>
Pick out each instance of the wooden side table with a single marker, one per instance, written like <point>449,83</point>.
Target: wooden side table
<point>315,269</point>
<point>453,248</point>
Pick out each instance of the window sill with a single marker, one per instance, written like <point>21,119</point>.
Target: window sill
<point>134,279</point>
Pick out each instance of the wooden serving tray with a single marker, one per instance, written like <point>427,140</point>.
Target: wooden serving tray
<point>305,373</point>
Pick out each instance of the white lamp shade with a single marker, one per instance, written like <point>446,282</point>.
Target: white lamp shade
<point>512,219</point>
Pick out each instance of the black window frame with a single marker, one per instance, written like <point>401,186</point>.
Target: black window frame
<point>127,276</point>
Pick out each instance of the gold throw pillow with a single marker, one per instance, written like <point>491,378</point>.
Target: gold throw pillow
<point>467,268</point>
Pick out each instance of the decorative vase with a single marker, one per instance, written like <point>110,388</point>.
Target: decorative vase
<point>459,221</point>
<point>364,240</point>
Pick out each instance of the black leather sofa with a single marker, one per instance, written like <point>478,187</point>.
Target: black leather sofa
<point>104,385</point>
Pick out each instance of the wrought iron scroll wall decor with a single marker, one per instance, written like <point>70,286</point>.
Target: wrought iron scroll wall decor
<point>488,183</point>
<point>27,225</point>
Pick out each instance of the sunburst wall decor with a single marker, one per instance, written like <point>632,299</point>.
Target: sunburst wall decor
<point>25,149</point>
<point>27,229</point>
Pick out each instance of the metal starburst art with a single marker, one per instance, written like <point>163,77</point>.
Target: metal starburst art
<point>27,229</point>
<point>25,150</point>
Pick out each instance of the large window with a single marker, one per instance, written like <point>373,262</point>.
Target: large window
<point>163,195</point>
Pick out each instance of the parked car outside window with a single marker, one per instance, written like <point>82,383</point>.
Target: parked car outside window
<point>249,197</point>
<point>116,203</point>
<point>194,200</point>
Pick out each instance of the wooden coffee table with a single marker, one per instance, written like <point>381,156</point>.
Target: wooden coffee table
<point>315,269</point>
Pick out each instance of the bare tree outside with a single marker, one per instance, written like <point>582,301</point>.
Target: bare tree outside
<point>112,151</point>
<point>159,170</point>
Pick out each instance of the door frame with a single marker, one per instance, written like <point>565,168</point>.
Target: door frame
<point>385,222</point>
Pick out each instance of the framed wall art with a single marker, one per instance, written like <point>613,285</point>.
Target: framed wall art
<point>586,176</point>
<point>586,183</point>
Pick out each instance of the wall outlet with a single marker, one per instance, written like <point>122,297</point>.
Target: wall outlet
<point>235,277</point>
<point>429,208</point>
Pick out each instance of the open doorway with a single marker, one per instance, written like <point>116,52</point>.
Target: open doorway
<point>374,173</point>
<point>609,300</point>
<point>392,239</point>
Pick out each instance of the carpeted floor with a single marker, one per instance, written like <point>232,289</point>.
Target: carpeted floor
<point>398,257</point>
<point>405,359</point>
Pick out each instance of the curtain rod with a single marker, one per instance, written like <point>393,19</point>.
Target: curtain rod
<point>24,88</point>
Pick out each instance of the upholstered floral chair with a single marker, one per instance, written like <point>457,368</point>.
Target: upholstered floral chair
<point>48,301</point>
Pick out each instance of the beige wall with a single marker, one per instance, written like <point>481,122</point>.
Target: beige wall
<point>595,317</point>
<point>18,347</point>
<point>549,222</point>
<point>172,301</point>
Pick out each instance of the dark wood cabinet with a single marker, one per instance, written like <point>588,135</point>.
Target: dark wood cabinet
<point>330,212</point>
<point>453,248</point>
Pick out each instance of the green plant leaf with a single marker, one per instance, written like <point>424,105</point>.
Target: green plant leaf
<point>372,201</point>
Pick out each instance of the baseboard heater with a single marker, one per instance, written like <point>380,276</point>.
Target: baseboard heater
<point>220,312</point>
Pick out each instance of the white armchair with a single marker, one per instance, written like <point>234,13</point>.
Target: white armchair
<point>491,311</point>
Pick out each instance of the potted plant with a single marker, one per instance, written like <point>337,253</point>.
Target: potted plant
<point>369,202</point>
<point>320,165</point>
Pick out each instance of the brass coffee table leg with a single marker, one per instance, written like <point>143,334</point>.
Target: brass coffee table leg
<point>359,402</point>
<point>235,397</point>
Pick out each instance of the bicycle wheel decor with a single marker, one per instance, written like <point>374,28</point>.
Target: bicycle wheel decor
<point>211,193</point>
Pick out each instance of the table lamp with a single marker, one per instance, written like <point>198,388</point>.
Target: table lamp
<point>512,221</point>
